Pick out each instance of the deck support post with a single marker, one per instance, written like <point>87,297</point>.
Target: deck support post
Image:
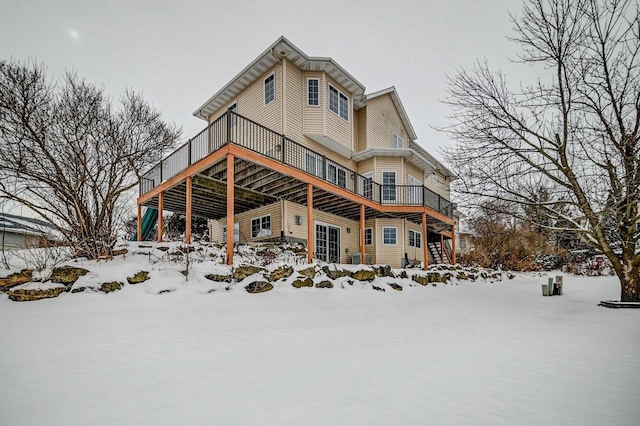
<point>160,219</point>
<point>425,242</point>
<point>139,224</point>
<point>230,207</point>
<point>187,218</point>
<point>310,247</point>
<point>453,244</point>
<point>363,257</point>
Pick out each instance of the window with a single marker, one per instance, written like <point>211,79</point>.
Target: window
<point>414,190</point>
<point>313,164</point>
<point>390,236</point>
<point>337,175</point>
<point>269,89</point>
<point>388,186</point>
<point>396,141</point>
<point>368,236</point>
<point>415,239</point>
<point>261,227</point>
<point>338,103</point>
<point>313,97</point>
<point>367,185</point>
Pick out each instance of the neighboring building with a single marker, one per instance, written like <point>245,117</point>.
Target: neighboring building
<point>17,232</point>
<point>315,160</point>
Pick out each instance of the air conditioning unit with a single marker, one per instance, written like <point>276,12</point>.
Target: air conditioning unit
<point>355,259</point>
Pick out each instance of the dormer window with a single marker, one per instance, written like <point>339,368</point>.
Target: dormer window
<point>269,89</point>
<point>338,102</point>
<point>396,141</point>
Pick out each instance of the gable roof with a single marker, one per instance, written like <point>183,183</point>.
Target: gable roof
<point>391,91</point>
<point>282,48</point>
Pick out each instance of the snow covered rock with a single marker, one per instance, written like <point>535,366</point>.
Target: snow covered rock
<point>308,272</point>
<point>138,278</point>
<point>364,275</point>
<point>283,271</point>
<point>67,275</point>
<point>259,287</point>
<point>243,271</point>
<point>110,286</point>
<point>303,282</point>
<point>26,294</point>
<point>324,284</point>
<point>16,279</point>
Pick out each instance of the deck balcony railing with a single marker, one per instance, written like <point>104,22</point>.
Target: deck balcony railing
<point>234,128</point>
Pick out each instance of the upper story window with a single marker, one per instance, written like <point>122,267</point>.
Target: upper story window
<point>313,94</point>
<point>338,102</point>
<point>269,89</point>
<point>396,141</point>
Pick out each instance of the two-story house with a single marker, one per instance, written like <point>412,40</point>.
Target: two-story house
<point>295,149</point>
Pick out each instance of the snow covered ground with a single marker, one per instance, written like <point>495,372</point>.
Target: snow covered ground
<point>487,353</point>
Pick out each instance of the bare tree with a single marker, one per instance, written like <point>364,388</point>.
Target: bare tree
<point>574,134</point>
<point>70,155</point>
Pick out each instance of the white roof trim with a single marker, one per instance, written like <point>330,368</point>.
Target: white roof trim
<point>282,48</point>
<point>409,154</point>
<point>437,165</point>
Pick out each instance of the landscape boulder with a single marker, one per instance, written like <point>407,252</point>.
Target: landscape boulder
<point>67,275</point>
<point>283,271</point>
<point>16,279</point>
<point>364,275</point>
<point>309,272</point>
<point>258,287</point>
<point>324,284</point>
<point>27,295</point>
<point>335,273</point>
<point>302,282</point>
<point>110,286</point>
<point>138,278</point>
<point>243,271</point>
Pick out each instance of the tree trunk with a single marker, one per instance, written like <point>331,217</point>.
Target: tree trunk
<point>630,279</point>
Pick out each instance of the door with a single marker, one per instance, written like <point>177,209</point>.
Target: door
<point>415,189</point>
<point>327,243</point>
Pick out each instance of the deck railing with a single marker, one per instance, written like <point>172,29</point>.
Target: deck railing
<point>232,127</point>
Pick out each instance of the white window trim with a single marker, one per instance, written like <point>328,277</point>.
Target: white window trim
<point>260,219</point>
<point>264,89</point>
<point>393,140</point>
<point>409,238</point>
<point>307,88</point>
<point>365,239</point>
<point>389,227</point>
<point>329,103</point>
<point>382,184</point>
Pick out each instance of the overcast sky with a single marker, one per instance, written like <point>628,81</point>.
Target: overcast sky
<point>179,53</point>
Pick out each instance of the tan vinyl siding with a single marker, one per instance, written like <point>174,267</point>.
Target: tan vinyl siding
<point>441,187</point>
<point>251,102</point>
<point>244,219</point>
<point>414,171</point>
<point>388,164</point>
<point>337,128</point>
<point>330,154</point>
<point>382,121</point>
<point>312,115</point>
<point>348,240</point>
<point>296,98</point>
<point>389,254</point>
<point>362,129</point>
<point>365,166</point>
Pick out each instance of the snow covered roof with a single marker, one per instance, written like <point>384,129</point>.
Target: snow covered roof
<point>25,225</point>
